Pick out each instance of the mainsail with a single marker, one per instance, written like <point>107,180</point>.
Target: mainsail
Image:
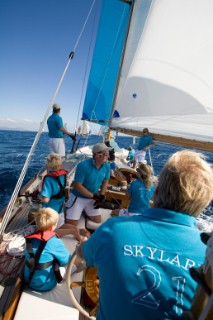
<point>165,81</point>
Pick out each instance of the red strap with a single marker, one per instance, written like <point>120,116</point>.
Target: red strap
<point>57,173</point>
<point>42,235</point>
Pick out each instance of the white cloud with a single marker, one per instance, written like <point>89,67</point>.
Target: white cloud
<point>17,124</point>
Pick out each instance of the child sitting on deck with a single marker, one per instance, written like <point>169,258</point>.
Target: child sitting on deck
<point>52,195</point>
<point>45,253</point>
<point>140,193</point>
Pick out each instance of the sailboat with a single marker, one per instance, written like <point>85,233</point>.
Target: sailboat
<point>152,67</point>
<point>85,129</point>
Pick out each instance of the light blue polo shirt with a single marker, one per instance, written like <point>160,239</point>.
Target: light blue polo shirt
<point>143,264</point>
<point>140,196</point>
<point>91,177</point>
<point>54,122</point>
<point>144,141</point>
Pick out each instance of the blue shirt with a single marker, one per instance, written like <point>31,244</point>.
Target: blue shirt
<point>143,264</point>
<point>140,196</point>
<point>54,122</point>
<point>51,187</point>
<point>144,141</point>
<point>91,177</point>
<point>44,280</point>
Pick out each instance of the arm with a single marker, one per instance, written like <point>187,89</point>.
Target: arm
<point>46,191</point>
<point>104,187</point>
<point>79,251</point>
<point>151,142</point>
<point>60,125</point>
<point>81,189</point>
<point>59,251</point>
<point>44,199</point>
<point>149,145</point>
<point>64,131</point>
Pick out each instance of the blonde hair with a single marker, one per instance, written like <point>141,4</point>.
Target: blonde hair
<point>144,173</point>
<point>185,183</point>
<point>53,161</point>
<point>45,218</point>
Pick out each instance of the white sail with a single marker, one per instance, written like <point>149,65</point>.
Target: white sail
<point>167,73</point>
<point>85,128</point>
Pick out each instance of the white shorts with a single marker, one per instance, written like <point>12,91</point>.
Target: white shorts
<point>57,145</point>
<point>140,156</point>
<point>61,220</point>
<point>76,205</point>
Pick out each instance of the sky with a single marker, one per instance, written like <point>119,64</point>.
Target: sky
<point>36,38</point>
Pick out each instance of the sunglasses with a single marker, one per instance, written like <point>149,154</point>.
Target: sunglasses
<point>103,153</point>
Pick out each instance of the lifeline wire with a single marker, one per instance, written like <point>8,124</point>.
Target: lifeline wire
<point>11,204</point>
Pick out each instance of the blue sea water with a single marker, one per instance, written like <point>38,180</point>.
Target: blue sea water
<point>15,146</point>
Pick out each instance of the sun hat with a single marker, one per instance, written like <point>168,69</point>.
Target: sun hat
<point>99,147</point>
<point>56,107</point>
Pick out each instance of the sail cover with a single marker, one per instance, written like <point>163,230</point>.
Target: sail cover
<point>106,61</point>
<point>167,72</point>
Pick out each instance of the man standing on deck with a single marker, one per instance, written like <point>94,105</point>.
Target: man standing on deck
<point>91,175</point>
<point>144,143</point>
<point>143,261</point>
<point>57,131</point>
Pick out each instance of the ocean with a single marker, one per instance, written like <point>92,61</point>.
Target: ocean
<point>15,146</point>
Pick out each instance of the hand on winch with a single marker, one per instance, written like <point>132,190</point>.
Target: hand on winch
<point>35,195</point>
<point>99,199</point>
<point>73,136</point>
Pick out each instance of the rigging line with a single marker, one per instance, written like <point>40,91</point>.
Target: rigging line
<point>84,78</point>
<point>103,79</point>
<point>82,30</point>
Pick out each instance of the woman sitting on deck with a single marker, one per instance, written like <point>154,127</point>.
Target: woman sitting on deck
<point>140,192</point>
